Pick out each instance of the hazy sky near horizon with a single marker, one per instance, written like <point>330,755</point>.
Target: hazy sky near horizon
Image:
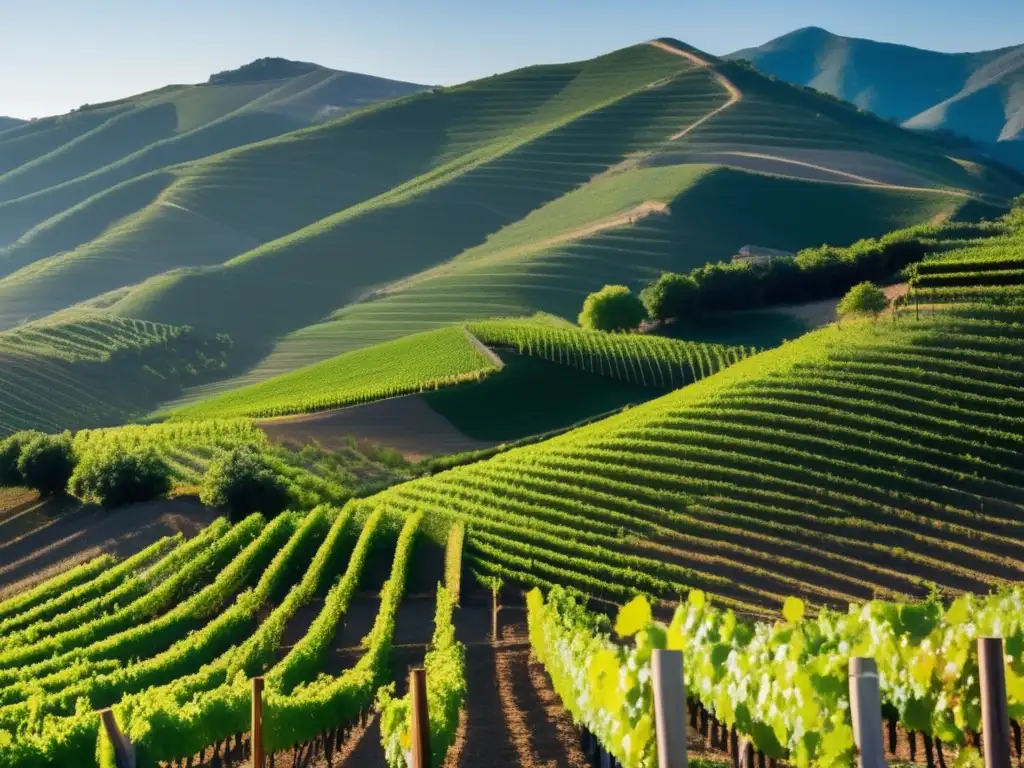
<point>58,54</point>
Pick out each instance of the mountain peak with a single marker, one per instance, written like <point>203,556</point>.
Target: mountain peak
<point>267,68</point>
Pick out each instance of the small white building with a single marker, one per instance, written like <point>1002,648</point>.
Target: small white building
<point>756,254</point>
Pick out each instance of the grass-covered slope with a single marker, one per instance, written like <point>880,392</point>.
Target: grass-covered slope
<point>413,364</point>
<point>862,460</point>
<point>974,94</point>
<point>52,164</point>
<point>87,370</point>
<point>7,123</point>
<point>625,228</point>
<point>379,195</point>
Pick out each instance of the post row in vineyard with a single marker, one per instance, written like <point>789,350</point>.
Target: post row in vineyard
<point>124,751</point>
<point>670,713</point>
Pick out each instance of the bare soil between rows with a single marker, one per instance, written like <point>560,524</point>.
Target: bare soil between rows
<point>40,538</point>
<point>407,424</point>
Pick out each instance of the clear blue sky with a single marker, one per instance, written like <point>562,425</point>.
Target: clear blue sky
<point>58,54</point>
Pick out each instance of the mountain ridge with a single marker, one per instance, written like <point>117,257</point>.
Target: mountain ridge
<point>974,94</point>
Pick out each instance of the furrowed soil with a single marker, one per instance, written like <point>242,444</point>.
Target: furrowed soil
<point>41,538</point>
<point>406,424</point>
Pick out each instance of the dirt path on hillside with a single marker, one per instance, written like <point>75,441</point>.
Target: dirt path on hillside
<point>407,424</point>
<point>512,715</point>
<point>735,94</point>
<point>820,313</point>
<point>50,536</point>
<point>484,350</point>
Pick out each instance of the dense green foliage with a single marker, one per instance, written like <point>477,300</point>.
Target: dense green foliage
<point>813,274</point>
<point>46,463</point>
<point>863,299</point>
<point>54,587</point>
<point>670,296</point>
<point>243,482</point>
<point>987,271</point>
<point>613,308</point>
<point>112,476</point>
<point>785,685</point>
<point>10,453</point>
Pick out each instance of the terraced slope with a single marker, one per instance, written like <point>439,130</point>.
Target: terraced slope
<point>665,218</point>
<point>469,161</point>
<point>87,370</point>
<point>51,164</point>
<point>667,206</point>
<point>990,271</point>
<point>974,94</point>
<point>869,459</point>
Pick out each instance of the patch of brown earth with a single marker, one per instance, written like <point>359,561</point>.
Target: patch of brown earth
<point>54,535</point>
<point>407,424</point>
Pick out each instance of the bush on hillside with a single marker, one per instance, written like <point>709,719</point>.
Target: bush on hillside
<point>10,452</point>
<point>47,463</point>
<point>243,482</point>
<point>112,476</point>
<point>823,272</point>
<point>863,299</point>
<point>671,296</point>
<point>613,308</point>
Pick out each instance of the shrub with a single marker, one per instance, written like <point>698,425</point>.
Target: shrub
<point>243,482</point>
<point>10,452</point>
<point>47,462</point>
<point>613,308</point>
<point>112,476</point>
<point>864,298</point>
<point>671,296</point>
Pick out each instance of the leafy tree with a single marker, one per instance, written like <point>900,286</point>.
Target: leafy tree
<point>243,482</point>
<point>112,476</point>
<point>47,462</point>
<point>671,296</point>
<point>613,308</point>
<point>10,452</point>
<point>863,299</point>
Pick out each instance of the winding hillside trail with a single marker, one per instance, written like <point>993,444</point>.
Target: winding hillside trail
<point>846,175</point>
<point>735,95</point>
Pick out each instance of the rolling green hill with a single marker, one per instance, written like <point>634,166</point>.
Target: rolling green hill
<point>973,94</point>
<point>52,164</point>
<point>90,370</point>
<point>7,123</point>
<point>524,268</point>
<point>492,180</point>
<point>505,196</point>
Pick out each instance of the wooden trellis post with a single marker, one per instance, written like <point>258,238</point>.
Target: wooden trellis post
<point>420,721</point>
<point>866,713</point>
<point>124,750</point>
<point>257,722</point>
<point>669,707</point>
<point>995,718</point>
